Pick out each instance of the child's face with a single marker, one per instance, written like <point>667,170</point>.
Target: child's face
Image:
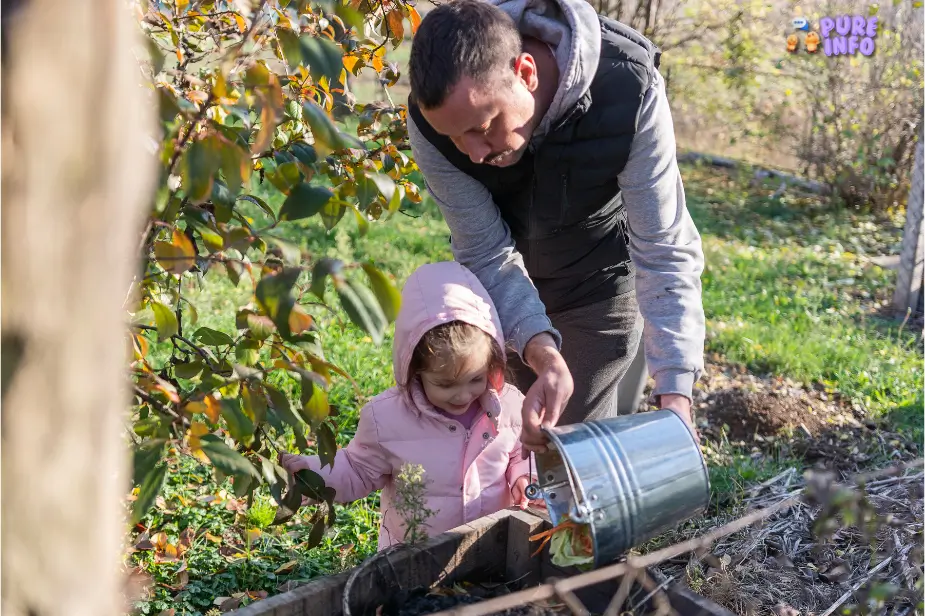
<point>452,384</point>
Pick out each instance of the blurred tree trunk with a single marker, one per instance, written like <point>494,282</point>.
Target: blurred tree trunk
<point>907,296</point>
<point>77,182</point>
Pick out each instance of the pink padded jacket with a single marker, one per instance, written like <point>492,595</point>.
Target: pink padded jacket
<point>469,473</point>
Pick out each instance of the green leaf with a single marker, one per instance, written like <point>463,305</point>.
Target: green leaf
<point>255,405</point>
<point>189,370</point>
<point>288,505</point>
<point>316,535</point>
<point>243,485</point>
<point>304,152</point>
<point>212,337</point>
<point>310,484</point>
<point>260,326</point>
<point>362,308</point>
<point>286,176</point>
<point>247,352</point>
<point>280,404</point>
<point>259,203</point>
<point>315,405</point>
<point>362,222</point>
<point>202,222</point>
<point>147,492</point>
<point>323,58</point>
<point>200,163</point>
<point>388,295</point>
<point>331,214</point>
<point>165,320</point>
<point>273,295</point>
<point>291,253</point>
<point>222,196</point>
<point>323,267</point>
<point>327,137</point>
<point>226,459</point>
<point>292,50</point>
<point>240,426</point>
<point>235,167</point>
<point>366,191</point>
<point>327,445</point>
<point>304,201</point>
<point>145,458</point>
<point>384,184</point>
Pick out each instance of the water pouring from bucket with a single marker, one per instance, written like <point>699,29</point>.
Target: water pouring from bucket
<point>620,481</point>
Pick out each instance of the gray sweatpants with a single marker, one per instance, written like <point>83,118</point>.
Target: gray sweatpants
<point>599,342</point>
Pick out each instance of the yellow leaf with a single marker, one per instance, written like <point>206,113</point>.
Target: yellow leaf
<point>343,78</point>
<point>194,406</point>
<point>179,54</point>
<point>415,18</point>
<point>213,410</point>
<point>377,64</point>
<point>287,567</point>
<point>141,345</point>
<point>197,96</point>
<point>253,534</point>
<point>242,25</point>
<point>299,321</point>
<point>213,538</point>
<point>176,256</point>
<point>197,428</point>
<point>159,540</point>
<point>350,62</point>
<point>182,4</point>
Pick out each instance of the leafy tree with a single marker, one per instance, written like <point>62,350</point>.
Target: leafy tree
<point>252,95</point>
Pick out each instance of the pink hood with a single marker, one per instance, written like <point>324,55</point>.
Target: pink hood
<point>437,293</point>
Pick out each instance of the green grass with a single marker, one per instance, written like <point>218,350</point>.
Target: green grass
<point>788,290</point>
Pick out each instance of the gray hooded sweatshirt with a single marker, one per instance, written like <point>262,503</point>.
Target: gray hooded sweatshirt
<point>664,243</point>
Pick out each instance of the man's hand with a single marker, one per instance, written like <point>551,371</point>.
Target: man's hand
<point>546,399</point>
<point>681,405</point>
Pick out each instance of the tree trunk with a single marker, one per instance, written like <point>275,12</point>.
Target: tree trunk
<point>77,181</point>
<point>907,296</point>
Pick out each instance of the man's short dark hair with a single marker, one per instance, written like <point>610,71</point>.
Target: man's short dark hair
<point>461,38</point>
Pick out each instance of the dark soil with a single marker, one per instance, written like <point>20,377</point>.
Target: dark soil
<point>427,601</point>
<point>747,414</point>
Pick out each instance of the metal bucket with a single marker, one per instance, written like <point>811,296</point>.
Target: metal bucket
<point>630,478</point>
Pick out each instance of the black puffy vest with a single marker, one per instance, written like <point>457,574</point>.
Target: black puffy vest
<point>562,199</point>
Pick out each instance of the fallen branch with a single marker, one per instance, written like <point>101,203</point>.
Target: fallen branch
<point>854,587</point>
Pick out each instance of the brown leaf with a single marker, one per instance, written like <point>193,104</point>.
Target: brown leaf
<point>168,612</point>
<point>837,574</point>
<point>396,27</point>
<point>186,537</point>
<point>144,542</point>
<point>160,541</point>
<point>230,604</point>
<point>287,567</point>
<point>782,609</point>
<point>213,538</point>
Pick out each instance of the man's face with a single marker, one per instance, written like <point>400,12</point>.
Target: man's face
<point>490,121</point>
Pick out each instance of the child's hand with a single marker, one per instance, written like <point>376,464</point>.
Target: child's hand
<point>293,463</point>
<point>519,492</point>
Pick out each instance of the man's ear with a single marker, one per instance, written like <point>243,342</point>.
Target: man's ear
<point>525,70</point>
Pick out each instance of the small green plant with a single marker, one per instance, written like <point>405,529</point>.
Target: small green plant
<point>410,502</point>
<point>261,513</point>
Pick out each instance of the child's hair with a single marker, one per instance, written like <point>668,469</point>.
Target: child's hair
<point>457,339</point>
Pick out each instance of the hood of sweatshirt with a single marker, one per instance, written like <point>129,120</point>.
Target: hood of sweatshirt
<point>438,293</point>
<point>573,32</point>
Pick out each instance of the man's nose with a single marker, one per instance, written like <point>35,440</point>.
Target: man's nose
<point>476,147</point>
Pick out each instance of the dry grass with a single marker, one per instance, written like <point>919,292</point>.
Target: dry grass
<point>783,567</point>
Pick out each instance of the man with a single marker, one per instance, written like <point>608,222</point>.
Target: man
<point>543,132</point>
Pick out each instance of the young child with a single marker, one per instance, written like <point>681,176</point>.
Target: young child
<point>451,411</point>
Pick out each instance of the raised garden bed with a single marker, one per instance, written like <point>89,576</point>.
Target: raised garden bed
<point>489,557</point>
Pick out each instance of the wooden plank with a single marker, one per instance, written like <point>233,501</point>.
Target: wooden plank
<point>520,565</point>
<point>304,600</point>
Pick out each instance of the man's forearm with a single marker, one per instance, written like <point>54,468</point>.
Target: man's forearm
<point>666,250</point>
